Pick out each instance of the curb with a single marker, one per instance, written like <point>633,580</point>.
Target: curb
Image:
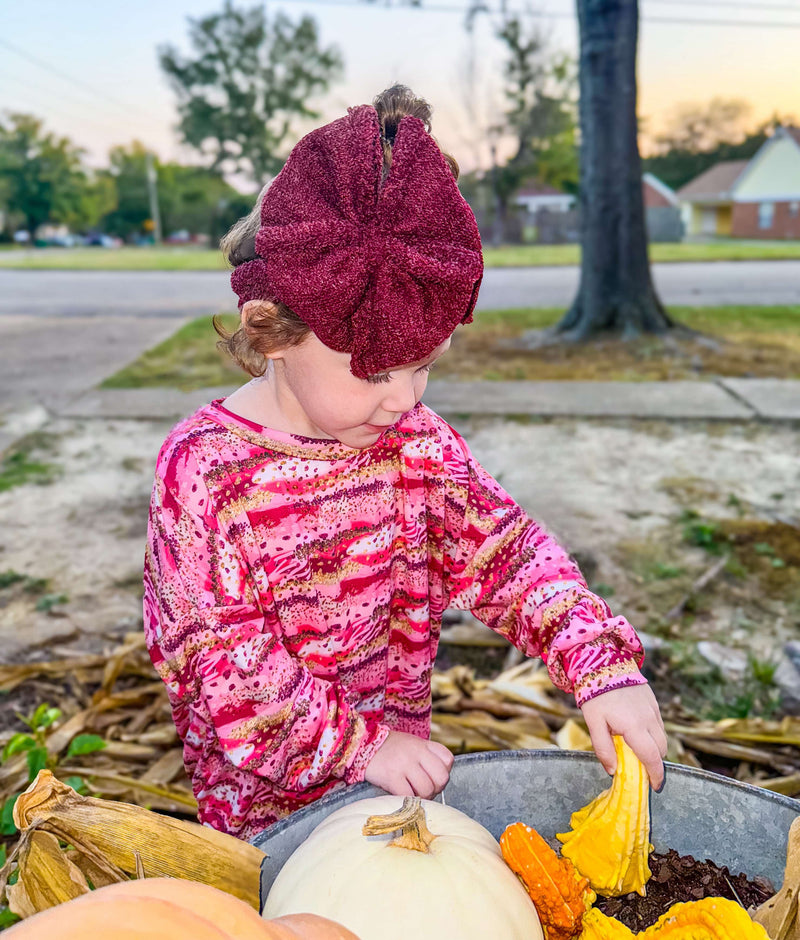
<point>766,400</point>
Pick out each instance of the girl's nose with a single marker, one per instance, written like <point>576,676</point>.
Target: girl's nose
<point>401,396</point>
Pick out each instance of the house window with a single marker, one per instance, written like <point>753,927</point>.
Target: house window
<point>794,209</point>
<point>766,214</point>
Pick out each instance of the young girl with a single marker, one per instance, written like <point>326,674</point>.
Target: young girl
<point>308,532</point>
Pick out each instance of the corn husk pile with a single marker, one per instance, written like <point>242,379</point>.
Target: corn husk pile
<point>521,709</point>
<point>120,698</point>
<point>69,842</point>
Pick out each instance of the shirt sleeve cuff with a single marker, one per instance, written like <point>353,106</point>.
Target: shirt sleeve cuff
<point>590,656</point>
<point>373,739</point>
<point>618,675</point>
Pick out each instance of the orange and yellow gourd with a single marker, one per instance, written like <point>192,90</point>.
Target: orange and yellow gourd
<point>606,851</point>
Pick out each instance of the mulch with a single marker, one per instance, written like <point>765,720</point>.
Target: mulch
<point>683,878</point>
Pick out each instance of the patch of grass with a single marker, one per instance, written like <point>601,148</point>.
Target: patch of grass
<point>703,533</point>
<point>36,585</point>
<point>18,467</point>
<point>9,577</point>
<point>188,359</point>
<point>114,259</point>
<point>663,572</point>
<point>184,258</point>
<point>752,341</point>
<point>769,550</point>
<point>49,601</point>
<point>706,693</point>
<point>603,589</point>
<point>30,585</point>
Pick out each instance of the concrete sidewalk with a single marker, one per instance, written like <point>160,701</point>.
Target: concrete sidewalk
<point>726,399</point>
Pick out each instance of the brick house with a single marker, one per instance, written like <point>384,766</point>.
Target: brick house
<point>756,198</point>
<point>657,195</point>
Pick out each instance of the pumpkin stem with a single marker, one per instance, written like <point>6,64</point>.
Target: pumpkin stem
<point>410,818</point>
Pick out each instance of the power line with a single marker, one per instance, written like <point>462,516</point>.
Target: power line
<point>68,78</point>
<point>552,15</point>
<point>727,4</point>
<point>53,103</point>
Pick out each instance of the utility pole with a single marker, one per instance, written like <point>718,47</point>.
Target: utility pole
<point>152,192</point>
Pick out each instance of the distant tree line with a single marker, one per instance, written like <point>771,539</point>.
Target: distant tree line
<point>240,92</point>
<point>698,136</point>
<point>43,179</point>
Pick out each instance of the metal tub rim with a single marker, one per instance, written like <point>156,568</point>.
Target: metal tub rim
<point>697,813</point>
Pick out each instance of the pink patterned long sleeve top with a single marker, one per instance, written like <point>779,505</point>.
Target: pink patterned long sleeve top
<point>294,590</point>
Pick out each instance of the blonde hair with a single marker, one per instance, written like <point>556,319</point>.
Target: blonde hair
<point>268,325</point>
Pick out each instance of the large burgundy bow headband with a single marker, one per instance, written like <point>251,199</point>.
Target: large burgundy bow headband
<point>384,270</point>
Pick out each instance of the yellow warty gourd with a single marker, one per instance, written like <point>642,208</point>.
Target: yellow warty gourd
<point>596,926</point>
<point>610,838</point>
<point>709,919</point>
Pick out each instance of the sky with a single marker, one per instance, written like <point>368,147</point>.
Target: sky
<point>89,68</point>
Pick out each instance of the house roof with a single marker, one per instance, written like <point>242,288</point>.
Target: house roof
<point>716,182</point>
<point>793,132</point>
<point>649,179</point>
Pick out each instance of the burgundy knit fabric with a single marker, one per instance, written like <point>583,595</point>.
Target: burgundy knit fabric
<point>384,271</point>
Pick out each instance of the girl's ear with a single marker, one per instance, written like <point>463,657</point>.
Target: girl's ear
<point>256,310</point>
<point>261,323</point>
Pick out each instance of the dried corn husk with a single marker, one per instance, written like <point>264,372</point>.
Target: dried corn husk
<point>572,737</point>
<point>46,876</point>
<point>780,915</point>
<point>117,833</point>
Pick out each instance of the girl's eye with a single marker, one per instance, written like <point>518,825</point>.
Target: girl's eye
<point>379,379</point>
<point>426,368</point>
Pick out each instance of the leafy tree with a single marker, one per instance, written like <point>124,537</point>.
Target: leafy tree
<point>190,197</point>
<point>536,115</point>
<point>695,127</point>
<point>616,290</point>
<point>249,78</point>
<point>42,178</point>
<point>538,87</point>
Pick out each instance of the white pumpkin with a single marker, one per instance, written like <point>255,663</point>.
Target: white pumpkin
<point>442,878</point>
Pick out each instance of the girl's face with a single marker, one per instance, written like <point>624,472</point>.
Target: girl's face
<point>317,392</point>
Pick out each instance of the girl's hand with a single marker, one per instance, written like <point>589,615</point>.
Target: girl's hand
<point>406,765</point>
<point>633,713</point>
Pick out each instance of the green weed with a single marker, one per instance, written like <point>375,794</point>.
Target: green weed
<point>33,743</point>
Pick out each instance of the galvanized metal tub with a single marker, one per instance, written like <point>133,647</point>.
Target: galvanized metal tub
<point>697,813</point>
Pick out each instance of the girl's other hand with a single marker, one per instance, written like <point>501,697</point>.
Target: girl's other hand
<point>633,713</point>
<point>406,765</point>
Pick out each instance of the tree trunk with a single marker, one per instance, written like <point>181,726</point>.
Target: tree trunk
<point>616,291</point>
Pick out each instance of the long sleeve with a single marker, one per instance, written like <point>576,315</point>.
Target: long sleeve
<point>213,639</point>
<point>518,580</point>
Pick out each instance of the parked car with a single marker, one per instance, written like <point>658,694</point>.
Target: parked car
<point>102,240</point>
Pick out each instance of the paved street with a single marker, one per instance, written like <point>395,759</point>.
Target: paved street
<point>193,293</point>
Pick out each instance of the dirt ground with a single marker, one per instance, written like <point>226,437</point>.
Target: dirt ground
<point>496,352</point>
<point>647,507</point>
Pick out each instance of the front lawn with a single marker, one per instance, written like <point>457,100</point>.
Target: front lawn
<point>750,341</point>
<point>509,256</point>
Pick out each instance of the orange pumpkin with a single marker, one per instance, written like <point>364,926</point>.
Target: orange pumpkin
<point>172,909</point>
